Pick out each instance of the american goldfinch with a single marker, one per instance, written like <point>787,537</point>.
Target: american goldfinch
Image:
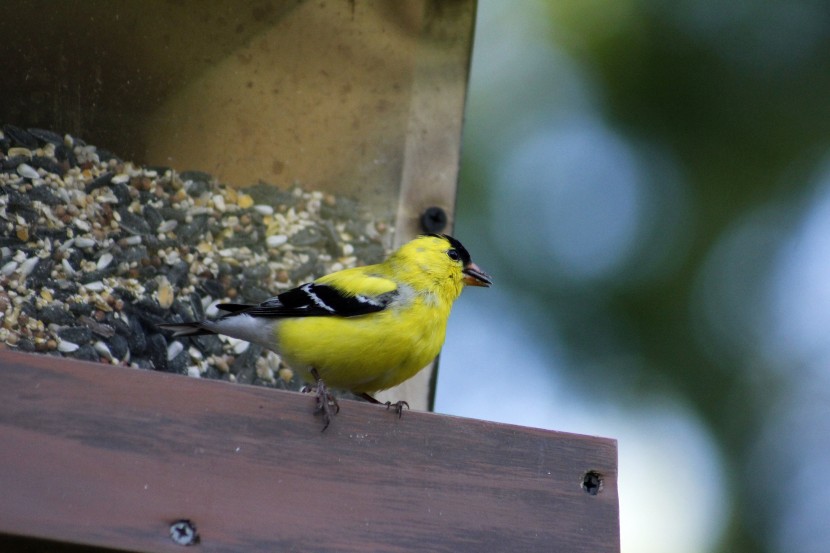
<point>363,329</point>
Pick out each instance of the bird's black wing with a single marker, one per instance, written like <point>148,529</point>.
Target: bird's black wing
<point>313,300</point>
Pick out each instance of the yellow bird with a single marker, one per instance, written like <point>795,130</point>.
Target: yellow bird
<point>364,329</point>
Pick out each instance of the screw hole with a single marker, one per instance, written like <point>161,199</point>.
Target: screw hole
<point>183,532</point>
<point>434,220</point>
<point>592,482</point>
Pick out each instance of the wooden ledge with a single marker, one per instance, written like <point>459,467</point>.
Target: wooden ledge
<point>110,457</point>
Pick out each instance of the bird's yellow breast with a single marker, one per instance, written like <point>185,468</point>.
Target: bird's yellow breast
<point>366,353</point>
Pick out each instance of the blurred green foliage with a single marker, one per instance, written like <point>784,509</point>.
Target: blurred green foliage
<point>737,93</point>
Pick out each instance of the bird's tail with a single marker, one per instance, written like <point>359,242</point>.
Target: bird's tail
<point>186,329</point>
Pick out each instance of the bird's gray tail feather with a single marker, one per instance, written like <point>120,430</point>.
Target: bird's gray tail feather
<point>186,329</point>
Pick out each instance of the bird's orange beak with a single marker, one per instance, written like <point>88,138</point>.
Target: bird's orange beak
<point>473,276</point>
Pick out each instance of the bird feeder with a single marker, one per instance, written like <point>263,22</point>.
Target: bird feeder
<point>159,157</point>
<point>277,141</point>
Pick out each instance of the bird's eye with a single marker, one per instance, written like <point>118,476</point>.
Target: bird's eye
<point>453,255</point>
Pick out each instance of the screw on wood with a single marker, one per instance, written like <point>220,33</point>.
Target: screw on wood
<point>434,220</point>
<point>183,532</point>
<point>592,482</point>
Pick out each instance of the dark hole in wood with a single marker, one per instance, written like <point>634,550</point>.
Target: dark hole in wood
<point>592,482</point>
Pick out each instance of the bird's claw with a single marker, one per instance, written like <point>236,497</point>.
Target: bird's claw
<point>326,404</point>
<point>398,406</point>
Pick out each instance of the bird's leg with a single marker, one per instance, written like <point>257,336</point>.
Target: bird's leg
<point>398,405</point>
<point>325,400</point>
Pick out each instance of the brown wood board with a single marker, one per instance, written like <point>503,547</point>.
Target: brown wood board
<point>110,457</point>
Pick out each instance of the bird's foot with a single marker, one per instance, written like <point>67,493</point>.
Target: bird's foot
<point>326,403</point>
<point>398,405</point>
